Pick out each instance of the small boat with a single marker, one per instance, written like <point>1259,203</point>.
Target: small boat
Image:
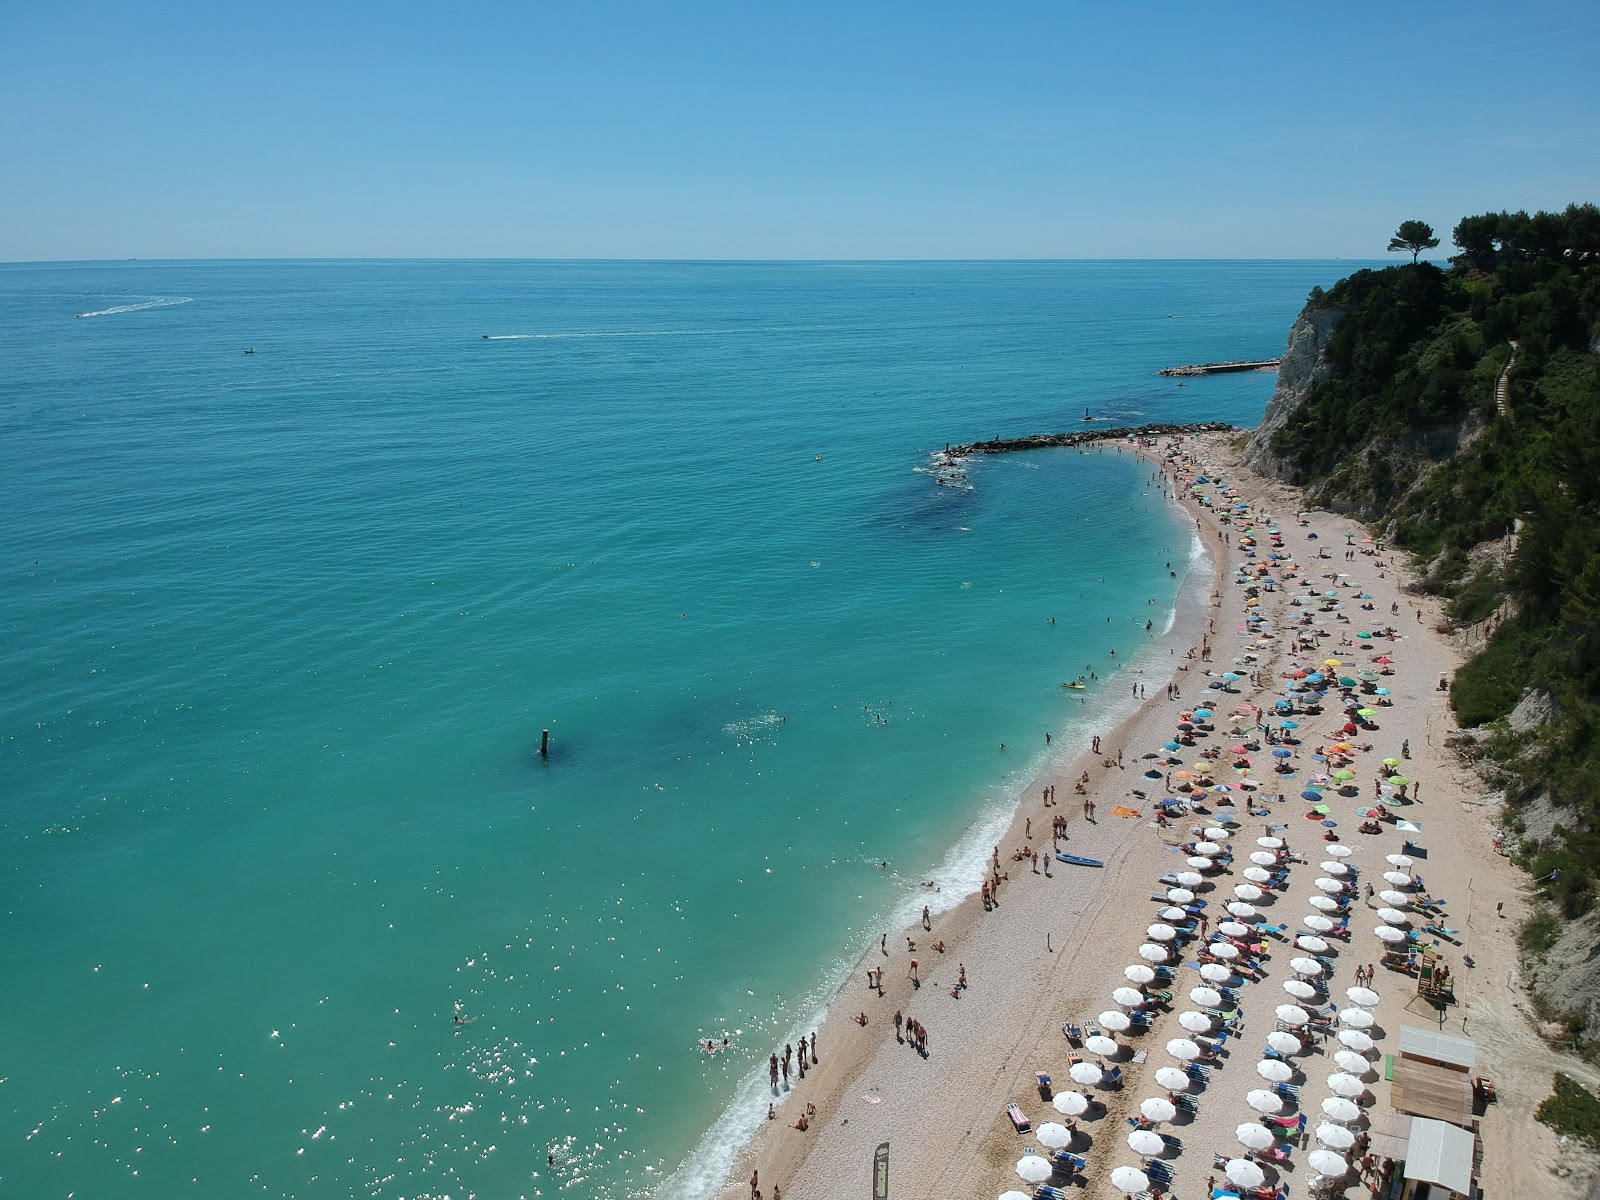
<point>1076,861</point>
<point>1077,687</point>
<point>1086,415</point>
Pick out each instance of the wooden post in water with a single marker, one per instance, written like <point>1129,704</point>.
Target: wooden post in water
<point>544,744</point>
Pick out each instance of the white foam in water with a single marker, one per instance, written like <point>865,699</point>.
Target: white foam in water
<point>148,302</point>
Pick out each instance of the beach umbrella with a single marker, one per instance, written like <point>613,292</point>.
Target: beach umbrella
<point>1194,1022</point>
<point>1146,1142</point>
<point>1183,1049</point>
<point>1157,1108</point>
<point>1053,1135</point>
<point>1398,878</point>
<point>1205,996</point>
<point>1339,851</point>
<point>1115,1021</point>
<point>1337,1108</point>
<point>1258,875</point>
<point>1234,929</point>
<point>1207,848</point>
<point>1172,1079</point>
<point>1348,1086</point>
<point>1215,973</point>
<point>1399,780</point>
<point>1217,835</point>
<point>1299,989</point>
<point>1171,913</point>
<point>1395,899</point>
<point>1161,933</point>
<point>1130,1180</point>
<point>1248,892</point>
<point>1309,967</point>
<point>1400,860</point>
<point>1098,1043</point>
<point>1319,922</point>
<point>1200,863</point>
<point>1189,879</point>
<point>1180,895</point>
<point>1336,1137</point>
<point>1264,858</point>
<point>1284,1043</point>
<point>1264,1101</point>
<point>1356,1018</point>
<point>1311,795</point>
<point>1224,950</point>
<point>1274,1071</point>
<point>1288,724</point>
<point>1292,1014</point>
<point>1325,903</point>
<point>1244,1173</point>
<point>1241,910</point>
<point>1363,996</point>
<point>1138,973</point>
<point>1282,753</point>
<point>1326,1162</point>
<point>1070,1104</point>
<point>1391,762</point>
<point>1035,1168</point>
<point>1252,1136</point>
<point>1014,1195</point>
<point>1271,843</point>
<point>1151,952</point>
<point>1390,934</point>
<point>1334,868</point>
<point>1085,1073</point>
<point>1314,944</point>
<point>1129,997</point>
<point>1331,886</point>
<point>1354,1039</point>
<point>1351,1062</point>
<point>1393,916</point>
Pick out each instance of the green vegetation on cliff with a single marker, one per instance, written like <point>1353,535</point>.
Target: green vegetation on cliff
<point>1409,431</point>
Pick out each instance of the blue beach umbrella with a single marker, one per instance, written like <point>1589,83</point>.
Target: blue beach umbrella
<point>1230,676</point>
<point>1202,713</point>
<point>1288,724</point>
<point>1282,753</point>
<point>1170,745</point>
<point>1314,797</point>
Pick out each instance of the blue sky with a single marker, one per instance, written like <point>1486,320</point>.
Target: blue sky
<point>758,130</point>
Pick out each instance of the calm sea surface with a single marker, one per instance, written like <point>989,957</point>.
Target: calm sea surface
<point>281,631</point>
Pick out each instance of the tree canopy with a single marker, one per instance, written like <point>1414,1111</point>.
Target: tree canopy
<point>1415,236</point>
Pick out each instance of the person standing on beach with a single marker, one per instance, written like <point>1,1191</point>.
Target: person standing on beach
<point>813,1047</point>
<point>772,1070</point>
<point>898,1019</point>
<point>788,1057</point>
<point>927,922</point>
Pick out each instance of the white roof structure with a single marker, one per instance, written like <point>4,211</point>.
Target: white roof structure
<point>1440,1153</point>
<point>1437,1047</point>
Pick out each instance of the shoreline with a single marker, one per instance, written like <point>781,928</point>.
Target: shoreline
<point>1052,949</point>
<point>767,1149</point>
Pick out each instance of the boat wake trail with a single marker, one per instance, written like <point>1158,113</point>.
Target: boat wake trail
<point>140,306</point>
<point>611,333</point>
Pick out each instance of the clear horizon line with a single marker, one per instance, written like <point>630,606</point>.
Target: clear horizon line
<point>45,262</point>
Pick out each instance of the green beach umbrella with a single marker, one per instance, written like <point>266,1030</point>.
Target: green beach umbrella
<point>1399,780</point>
<point>1391,762</point>
<point>1343,774</point>
<point>1369,713</point>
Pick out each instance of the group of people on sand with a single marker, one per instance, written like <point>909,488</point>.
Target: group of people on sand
<point>783,1066</point>
<point>911,1032</point>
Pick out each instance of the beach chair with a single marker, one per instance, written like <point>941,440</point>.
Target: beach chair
<point>1197,1072</point>
<point>1046,1192</point>
<point>1139,1021</point>
<point>1185,1103</point>
<point>1073,1034</point>
<point>1045,1090</point>
<point>1158,1171</point>
<point>1112,1078</point>
<point>1163,974</point>
<point>1440,931</point>
<point>1287,1091</point>
<point>1019,1119</point>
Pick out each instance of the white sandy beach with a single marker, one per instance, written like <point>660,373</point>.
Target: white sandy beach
<point>1055,946</point>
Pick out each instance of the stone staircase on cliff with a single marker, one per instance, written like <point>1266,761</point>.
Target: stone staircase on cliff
<point>1502,387</point>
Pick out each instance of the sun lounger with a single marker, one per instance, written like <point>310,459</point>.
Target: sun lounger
<point>1072,1032</point>
<point>1019,1119</point>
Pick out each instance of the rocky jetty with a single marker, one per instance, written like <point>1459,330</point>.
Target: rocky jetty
<point>1225,368</point>
<point>1040,441</point>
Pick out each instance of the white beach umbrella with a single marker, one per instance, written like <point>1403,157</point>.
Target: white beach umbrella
<point>1326,1162</point>
<point>1161,933</point>
<point>1335,869</point>
<point>1130,1180</point>
<point>1224,950</point>
<point>1299,989</point>
<point>1331,886</point>
<point>1400,860</point>
<point>1207,849</point>
<point>1200,863</point>
<point>1337,1108</point>
<point>1085,1073</point>
<point>1335,1137</point>
<point>1146,1142</point>
<point>1308,967</point>
<point>1130,997</point>
<point>1248,892</point>
<point>1271,843</point>
<point>1153,953</point>
<point>1216,834</point>
<point>1115,1021</point>
<point>1389,933</point>
<point>1244,1173</point>
<point>1053,1136</point>
<point>1173,1079</point>
<point>1395,899</point>
<point>1307,941</point>
<point>1274,1071</point>
<point>1354,1039</point>
<point>1138,973</point>
<point>1234,928</point>
<point>1398,878</point>
<point>1319,922</point>
<point>1206,997</point>
<point>1252,1136</point>
<point>1183,1049</point>
<point>1264,1101</point>
<point>1264,858</point>
<point>1258,875</point>
<point>1351,1062</point>
<point>1215,973</point>
<point>1099,1044</point>
<point>1339,851</point>
<point>1194,1022</point>
<point>1070,1104</point>
<point>1292,1014</point>
<point>1241,910</point>
<point>1323,903</point>
<point>1284,1042</point>
<point>1171,913</point>
<point>1180,895</point>
<point>1035,1168</point>
<point>1393,916</point>
<point>1188,879</point>
<point>1356,1018</point>
<point>1344,1085</point>
<point>1363,996</point>
<point>1157,1108</point>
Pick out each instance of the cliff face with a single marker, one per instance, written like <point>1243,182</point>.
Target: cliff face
<point>1303,366</point>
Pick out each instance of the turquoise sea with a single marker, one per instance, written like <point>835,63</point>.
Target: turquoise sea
<point>281,631</point>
